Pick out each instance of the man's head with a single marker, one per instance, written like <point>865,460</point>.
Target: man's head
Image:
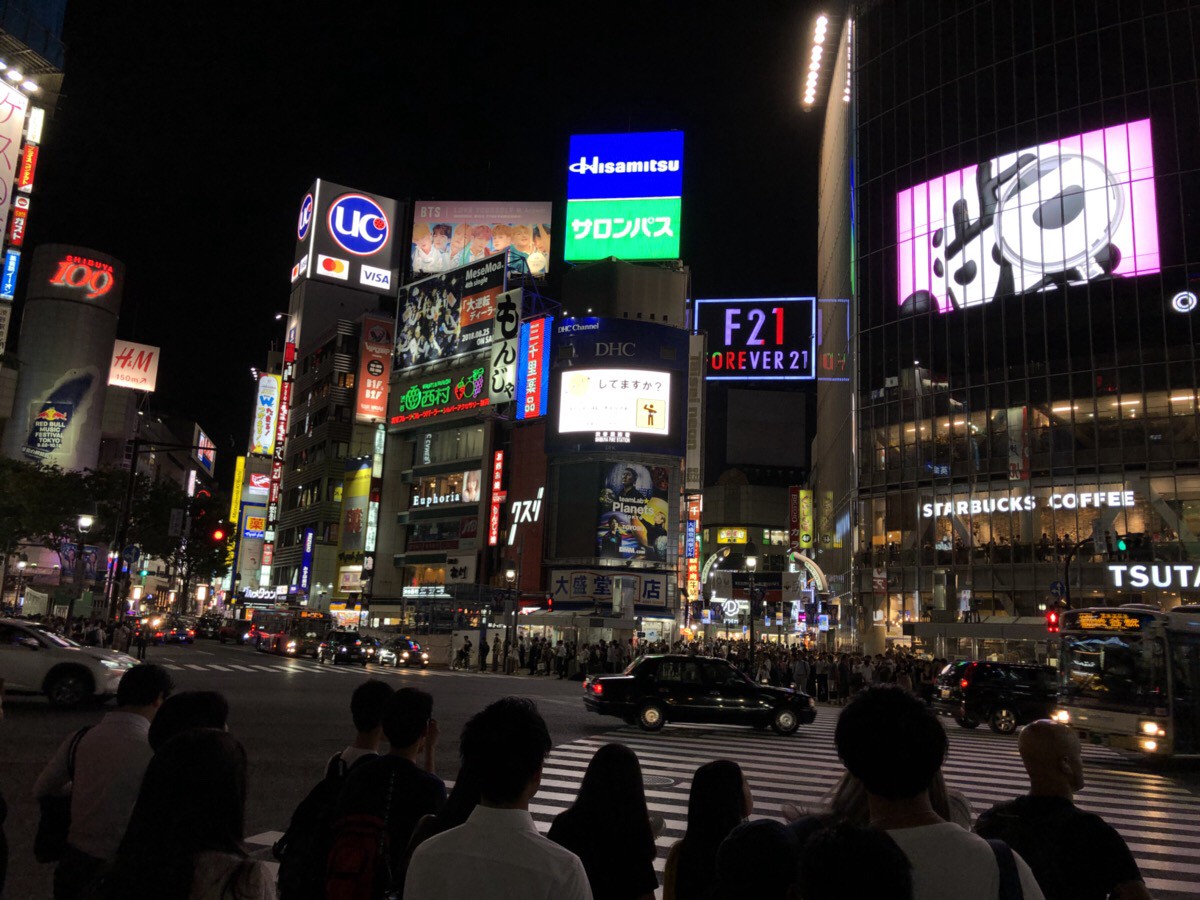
<point>367,704</point>
<point>406,716</point>
<point>145,687</point>
<point>890,741</point>
<point>508,741</point>
<point>1052,757</point>
<point>757,859</point>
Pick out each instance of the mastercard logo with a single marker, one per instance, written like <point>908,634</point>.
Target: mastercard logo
<point>332,267</point>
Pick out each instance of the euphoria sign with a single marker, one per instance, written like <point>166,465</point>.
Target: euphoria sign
<point>772,339</point>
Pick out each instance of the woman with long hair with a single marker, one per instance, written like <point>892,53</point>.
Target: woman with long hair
<point>608,827</point>
<point>189,848</point>
<point>719,801</point>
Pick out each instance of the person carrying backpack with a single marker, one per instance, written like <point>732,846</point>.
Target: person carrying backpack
<point>304,847</point>
<point>381,803</point>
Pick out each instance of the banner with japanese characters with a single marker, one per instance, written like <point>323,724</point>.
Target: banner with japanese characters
<point>449,315</point>
<point>592,586</point>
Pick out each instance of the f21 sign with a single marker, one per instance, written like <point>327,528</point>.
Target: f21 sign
<point>772,339</point>
<point>1043,218</point>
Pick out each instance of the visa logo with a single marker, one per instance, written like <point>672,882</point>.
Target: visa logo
<point>300,268</point>
<point>373,277</point>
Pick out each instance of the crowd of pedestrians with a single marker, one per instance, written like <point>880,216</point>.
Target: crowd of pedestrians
<point>378,823</point>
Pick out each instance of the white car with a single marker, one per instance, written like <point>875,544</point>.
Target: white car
<point>34,660</point>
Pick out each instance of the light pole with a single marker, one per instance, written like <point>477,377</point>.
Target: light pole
<point>83,524</point>
<point>510,580</point>
<point>750,556</point>
<point>21,564</point>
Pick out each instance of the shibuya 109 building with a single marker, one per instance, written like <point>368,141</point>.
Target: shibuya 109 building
<point>1009,195</point>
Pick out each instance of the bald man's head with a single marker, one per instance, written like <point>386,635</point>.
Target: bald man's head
<point>1051,754</point>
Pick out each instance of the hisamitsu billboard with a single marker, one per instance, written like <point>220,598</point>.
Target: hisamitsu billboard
<point>612,166</point>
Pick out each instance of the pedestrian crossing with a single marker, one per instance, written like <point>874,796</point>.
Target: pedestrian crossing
<point>289,666</point>
<point>1157,816</point>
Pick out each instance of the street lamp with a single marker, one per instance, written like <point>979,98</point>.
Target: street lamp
<point>21,564</point>
<point>750,558</point>
<point>83,524</point>
<point>510,581</point>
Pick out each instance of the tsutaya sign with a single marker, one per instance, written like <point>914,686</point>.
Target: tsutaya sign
<point>1179,576</point>
<point>1027,503</point>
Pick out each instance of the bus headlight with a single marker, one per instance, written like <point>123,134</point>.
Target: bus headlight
<point>1061,716</point>
<point>1149,746</point>
<point>1152,728</point>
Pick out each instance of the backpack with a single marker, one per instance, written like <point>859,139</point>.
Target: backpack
<point>305,845</point>
<point>358,866</point>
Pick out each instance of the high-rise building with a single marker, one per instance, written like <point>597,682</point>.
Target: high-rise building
<point>1008,187</point>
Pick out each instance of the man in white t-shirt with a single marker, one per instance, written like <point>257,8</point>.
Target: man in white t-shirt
<point>890,741</point>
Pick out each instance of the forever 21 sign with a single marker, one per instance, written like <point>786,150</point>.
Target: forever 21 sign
<point>772,339</point>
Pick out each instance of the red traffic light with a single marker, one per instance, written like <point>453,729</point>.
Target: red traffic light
<point>218,534</point>
<point>1052,621</point>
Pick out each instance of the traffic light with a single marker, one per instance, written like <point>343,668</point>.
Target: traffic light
<point>143,572</point>
<point>1052,621</point>
<point>218,535</point>
<point>1122,546</point>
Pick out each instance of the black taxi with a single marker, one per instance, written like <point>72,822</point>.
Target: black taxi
<point>655,690</point>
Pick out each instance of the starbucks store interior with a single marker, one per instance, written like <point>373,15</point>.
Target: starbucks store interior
<point>1002,548</point>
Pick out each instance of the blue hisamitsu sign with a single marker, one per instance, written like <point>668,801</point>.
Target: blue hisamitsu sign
<point>306,559</point>
<point>8,281</point>
<point>621,166</point>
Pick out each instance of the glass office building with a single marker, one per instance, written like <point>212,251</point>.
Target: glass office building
<point>1026,180</point>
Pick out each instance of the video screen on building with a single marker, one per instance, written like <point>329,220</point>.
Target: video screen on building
<point>449,234</point>
<point>632,517</point>
<point>1047,217</point>
<point>627,401</point>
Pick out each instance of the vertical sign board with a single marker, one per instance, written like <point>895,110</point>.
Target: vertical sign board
<point>691,549</point>
<point>266,416</point>
<point>13,105</point>
<point>623,196</point>
<point>498,497</point>
<point>506,329</point>
<point>807,522</point>
<point>306,559</point>
<point>8,277</point>
<point>532,377</point>
<point>793,516</point>
<point>374,369</point>
<point>277,459</point>
<point>693,470</point>
<point>235,507</point>
<point>29,158</point>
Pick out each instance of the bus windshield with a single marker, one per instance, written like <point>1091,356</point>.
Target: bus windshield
<point>1121,672</point>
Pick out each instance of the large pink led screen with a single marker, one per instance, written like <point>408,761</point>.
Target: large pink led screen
<point>1062,213</point>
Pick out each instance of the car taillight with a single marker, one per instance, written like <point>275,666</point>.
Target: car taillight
<point>158,634</point>
<point>967,673</point>
<point>191,633</point>
<point>597,688</point>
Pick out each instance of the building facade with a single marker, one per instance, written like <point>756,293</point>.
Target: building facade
<point>1023,176</point>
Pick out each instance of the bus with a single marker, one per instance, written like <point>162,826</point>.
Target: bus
<point>289,632</point>
<point>1129,678</point>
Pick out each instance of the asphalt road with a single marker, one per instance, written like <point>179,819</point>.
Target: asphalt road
<point>291,715</point>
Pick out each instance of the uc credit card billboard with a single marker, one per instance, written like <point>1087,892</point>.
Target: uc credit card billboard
<point>348,237</point>
<point>624,196</point>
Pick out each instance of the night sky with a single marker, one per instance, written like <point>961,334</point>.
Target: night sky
<point>187,135</point>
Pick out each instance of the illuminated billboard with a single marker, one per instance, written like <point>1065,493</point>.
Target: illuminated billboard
<point>1063,213</point>
<point>459,391</point>
<point>773,339</point>
<point>204,450</point>
<point>374,368</point>
<point>623,196</point>
<point>134,366</point>
<point>449,234</point>
<point>532,364</point>
<point>348,237</point>
<point>13,105</point>
<point>266,415</point>
<point>449,315</point>
<point>619,402</point>
<point>618,385</point>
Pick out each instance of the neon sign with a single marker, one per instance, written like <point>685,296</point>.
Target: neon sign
<point>90,275</point>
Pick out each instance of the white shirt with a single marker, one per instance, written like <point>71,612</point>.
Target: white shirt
<point>498,854</point>
<point>110,761</point>
<point>214,870</point>
<point>949,863</point>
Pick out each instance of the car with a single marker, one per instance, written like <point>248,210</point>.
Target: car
<point>654,690</point>
<point>208,626</point>
<point>402,652</point>
<point>174,631</point>
<point>342,647</point>
<point>35,660</point>
<point>234,630</point>
<point>1005,695</point>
